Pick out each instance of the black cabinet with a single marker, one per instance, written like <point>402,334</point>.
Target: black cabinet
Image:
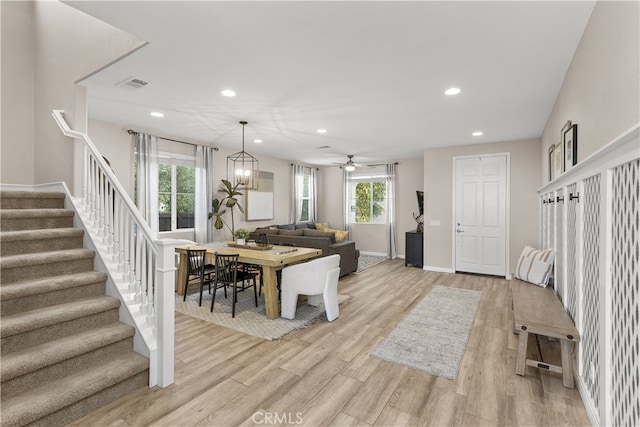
<point>413,249</point>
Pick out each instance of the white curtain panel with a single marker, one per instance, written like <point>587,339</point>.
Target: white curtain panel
<point>297,174</point>
<point>313,195</point>
<point>205,187</point>
<point>146,157</point>
<point>392,238</point>
<point>346,191</point>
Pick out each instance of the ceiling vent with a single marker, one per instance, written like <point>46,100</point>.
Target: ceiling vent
<point>132,83</point>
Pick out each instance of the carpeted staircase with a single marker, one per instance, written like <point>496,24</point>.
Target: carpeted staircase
<point>64,352</point>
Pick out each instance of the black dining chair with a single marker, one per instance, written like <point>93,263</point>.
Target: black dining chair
<point>228,274</point>
<point>198,271</point>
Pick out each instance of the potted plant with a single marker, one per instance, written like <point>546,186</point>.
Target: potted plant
<point>241,234</point>
<point>230,201</point>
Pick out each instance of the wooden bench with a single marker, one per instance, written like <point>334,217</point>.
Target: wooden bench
<point>538,311</point>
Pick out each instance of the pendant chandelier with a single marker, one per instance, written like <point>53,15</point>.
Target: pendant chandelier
<point>242,167</point>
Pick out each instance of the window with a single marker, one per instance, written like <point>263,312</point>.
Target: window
<point>368,199</point>
<point>306,181</point>
<point>176,197</point>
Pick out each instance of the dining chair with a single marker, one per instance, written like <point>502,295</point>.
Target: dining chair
<point>318,279</point>
<point>228,274</point>
<point>198,271</point>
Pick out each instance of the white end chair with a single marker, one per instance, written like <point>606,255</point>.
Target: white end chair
<point>318,279</point>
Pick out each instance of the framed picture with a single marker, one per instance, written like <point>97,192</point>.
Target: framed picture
<point>570,147</point>
<point>557,160</point>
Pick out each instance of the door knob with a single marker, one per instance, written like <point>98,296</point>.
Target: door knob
<point>459,231</point>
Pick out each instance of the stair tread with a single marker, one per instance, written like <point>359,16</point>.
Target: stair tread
<point>35,213</point>
<point>37,357</point>
<point>48,398</point>
<point>38,258</point>
<point>31,195</point>
<point>45,233</point>
<point>43,317</point>
<point>49,284</point>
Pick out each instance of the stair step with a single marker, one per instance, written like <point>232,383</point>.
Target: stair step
<point>35,327</point>
<point>48,403</point>
<point>29,295</point>
<point>25,369</point>
<point>55,263</point>
<point>35,219</point>
<point>31,200</point>
<point>32,241</point>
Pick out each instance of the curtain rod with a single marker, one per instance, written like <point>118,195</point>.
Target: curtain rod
<point>133,132</point>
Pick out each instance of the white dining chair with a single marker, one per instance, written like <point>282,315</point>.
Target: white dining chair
<point>318,279</point>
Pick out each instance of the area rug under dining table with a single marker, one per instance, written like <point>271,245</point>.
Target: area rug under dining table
<point>433,336</point>
<point>249,319</point>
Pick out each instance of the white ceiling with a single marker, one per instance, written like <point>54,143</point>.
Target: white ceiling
<point>372,73</point>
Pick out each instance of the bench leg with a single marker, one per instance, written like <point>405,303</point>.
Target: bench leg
<point>521,357</point>
<point>567,364</point>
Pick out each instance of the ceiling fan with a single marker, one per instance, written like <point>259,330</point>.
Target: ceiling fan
<point>350,165</point>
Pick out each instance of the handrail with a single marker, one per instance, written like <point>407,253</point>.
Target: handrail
<point>58,116</point>
<point>140,266</point>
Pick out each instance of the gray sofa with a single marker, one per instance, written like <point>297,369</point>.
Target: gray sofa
<point>311,238</point>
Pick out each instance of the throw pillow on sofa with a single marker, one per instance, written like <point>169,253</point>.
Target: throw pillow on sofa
<point>340,235</point>
<point>287,227</point>
<point>535,266</point>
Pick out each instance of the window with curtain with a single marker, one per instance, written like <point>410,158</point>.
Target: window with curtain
<point>368,204</point>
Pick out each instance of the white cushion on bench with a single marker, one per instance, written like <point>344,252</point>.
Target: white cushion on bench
<point>535,266</point>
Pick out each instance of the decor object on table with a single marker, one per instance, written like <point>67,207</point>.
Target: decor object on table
<point>318,279</point>
<point>433,337</point>
<point>535,266</point>
<point>242,167</point>
<point>229,201</point>
<point>570,145</point>
<point>241,235</point>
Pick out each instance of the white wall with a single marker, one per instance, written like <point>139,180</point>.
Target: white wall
<point>601,91</point>
<point>438,198</point>
<point>18,93</point>
<point>67,46</point>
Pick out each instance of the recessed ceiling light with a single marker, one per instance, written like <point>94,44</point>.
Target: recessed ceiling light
<point>228,92</point>
<point>156,114</point>
<point>257,141</point>
<point>452,91</point>
<point>478,133</point>
<point>321,131</point>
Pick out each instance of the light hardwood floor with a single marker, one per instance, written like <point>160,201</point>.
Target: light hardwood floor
<point>323,375</point>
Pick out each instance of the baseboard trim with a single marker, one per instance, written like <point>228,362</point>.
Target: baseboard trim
<point>438,269</point>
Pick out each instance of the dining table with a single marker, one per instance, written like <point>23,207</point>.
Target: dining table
<point>271,259</point>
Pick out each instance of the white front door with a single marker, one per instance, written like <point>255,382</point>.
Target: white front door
<point>480,214</point>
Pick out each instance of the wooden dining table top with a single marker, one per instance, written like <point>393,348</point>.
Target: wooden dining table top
<point>274,257</point>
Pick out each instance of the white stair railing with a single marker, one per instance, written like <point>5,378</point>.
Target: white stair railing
<point>141,266</point>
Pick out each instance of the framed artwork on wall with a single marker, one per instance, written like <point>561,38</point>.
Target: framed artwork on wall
<point>570,146</point>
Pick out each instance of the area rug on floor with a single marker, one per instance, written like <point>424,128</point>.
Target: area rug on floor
<point>433,337</point>
<point>368,261</point>
<point>249,319</point>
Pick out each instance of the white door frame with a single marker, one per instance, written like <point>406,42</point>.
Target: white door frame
<point>507,215</point>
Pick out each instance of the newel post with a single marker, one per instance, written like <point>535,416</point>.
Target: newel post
<point>165,314</point>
